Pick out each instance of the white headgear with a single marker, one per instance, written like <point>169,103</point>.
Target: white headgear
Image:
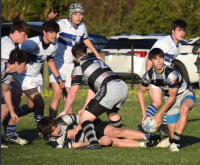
<point>74,8</point>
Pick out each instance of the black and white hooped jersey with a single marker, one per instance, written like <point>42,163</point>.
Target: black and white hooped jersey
<point>7,45</point>
<point>68,36</point>
<point>5,78</point>
<point>93,72</point>
<point>169,78</point>
<point>38,54</point>
<point>67,122</point>
<point>170,49</point>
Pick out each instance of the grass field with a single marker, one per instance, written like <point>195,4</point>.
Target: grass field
<point>40,152</point>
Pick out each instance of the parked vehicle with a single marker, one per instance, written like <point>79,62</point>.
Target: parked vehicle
<point>118,53</point>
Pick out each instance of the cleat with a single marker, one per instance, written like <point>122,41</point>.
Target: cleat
<point>3,146</point>
<point>164,129</point>
<point>174,147</point>
<point>151,144</point>
<point>164,143</point>
<point>155,138</point>
<point>43,137</point>
<point>90,146</point>
<point>15,139</point>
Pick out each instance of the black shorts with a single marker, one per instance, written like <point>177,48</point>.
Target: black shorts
<point>99,127</point>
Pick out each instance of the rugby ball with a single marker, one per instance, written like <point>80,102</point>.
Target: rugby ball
<point>149,125</point>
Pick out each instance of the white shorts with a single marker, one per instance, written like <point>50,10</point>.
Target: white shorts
<point>65,72</point>
<point>29,82</point>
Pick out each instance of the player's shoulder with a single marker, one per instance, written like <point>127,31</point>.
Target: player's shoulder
<point>169,70</point>
<point>7,41</point>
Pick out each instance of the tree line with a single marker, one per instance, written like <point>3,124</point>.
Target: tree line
<point>108,17</point>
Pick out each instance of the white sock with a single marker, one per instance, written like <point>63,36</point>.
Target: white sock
<point>143,144</point>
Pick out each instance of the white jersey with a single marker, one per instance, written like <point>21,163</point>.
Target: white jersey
<point>38,54</point>
<point>170,49</point>
<point>7,45</point>
<point>5,78</point>
<point>67,38</point>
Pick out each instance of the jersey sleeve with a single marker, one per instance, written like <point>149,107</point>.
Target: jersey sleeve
<point>28,46</point>
<point>61,24</point>
<point>64,144</point>
<point>77,75</point>
<point>173,79</point>
<point>145,80</point>
<point>5,52</point>
<point>158,44</point>
<point>85,35</point>
<point>69,119</point>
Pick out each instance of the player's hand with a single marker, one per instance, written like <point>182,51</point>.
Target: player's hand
<point>61,83</point>
<point>72,133</point>
<point>198,50</point>
<point>81,111</point>
<point>143,118</point>
<point>149,87</point>
<point>105,141</point>
<point>61,114</point>
<point>100,58</point>
<point>14,117</point>
<point>158,119</point>
<point>52,15</point>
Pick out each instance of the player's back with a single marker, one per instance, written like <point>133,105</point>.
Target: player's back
<point>95,72</point>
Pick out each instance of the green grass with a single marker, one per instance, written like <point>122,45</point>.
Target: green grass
<point>40,152</point>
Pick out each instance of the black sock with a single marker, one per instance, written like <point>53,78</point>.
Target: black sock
<point>89,131</point>
<point>117,123</point>
<point>176,138</point>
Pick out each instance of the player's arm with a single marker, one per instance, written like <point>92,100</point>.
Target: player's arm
<point>54,70</point>
<point>70,99</point>
<point>89,44</point>
<point>90,95</point>
<point>8,100</point>
<point>141,100</point>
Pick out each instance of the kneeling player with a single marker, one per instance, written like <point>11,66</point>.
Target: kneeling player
<point>178,96</point>
<point>65,132</point>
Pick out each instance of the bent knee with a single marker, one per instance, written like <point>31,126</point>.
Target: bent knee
<point>184,110</point>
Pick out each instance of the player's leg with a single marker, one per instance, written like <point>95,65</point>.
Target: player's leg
<point>57,95</point>
<point>115,119</point>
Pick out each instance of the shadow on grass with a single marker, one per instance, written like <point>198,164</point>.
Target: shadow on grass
<point>192,120</point>
<point>29,135</point>
<point>188,140</point>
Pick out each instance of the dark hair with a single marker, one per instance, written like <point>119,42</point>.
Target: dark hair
<point>79,50</point>
<point>17,55</point>
<point>156,52</point>
<point>45,125</point>
<point>20,26</point>
<point>50,26</point>
<point>179,23</point>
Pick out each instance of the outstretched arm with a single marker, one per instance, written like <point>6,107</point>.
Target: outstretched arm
<point>141,100</point>
<point>89,44</point>
<point>8,100</point>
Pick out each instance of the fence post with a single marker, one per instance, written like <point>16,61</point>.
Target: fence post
<point>132,63</point>
<point>45,75</point>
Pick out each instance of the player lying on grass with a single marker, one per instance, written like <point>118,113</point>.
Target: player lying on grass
<point>178,96</point>
<point>66,132</point>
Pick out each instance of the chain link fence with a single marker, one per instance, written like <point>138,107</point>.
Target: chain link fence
<point>129,61</point>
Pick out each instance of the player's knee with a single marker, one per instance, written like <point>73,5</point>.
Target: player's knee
<point>117,132</point>
<point>184,110</point>
<point>57,96</point>
<point>157,103</point>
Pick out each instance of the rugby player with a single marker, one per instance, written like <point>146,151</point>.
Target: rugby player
<point>66,132</point>
<point>18,34</point>
<point>40,48</point>
<point>171,48</point>
<point>179,97</point>
<point>16,63</point>
<point>110,92</point>
<point>72,31</point>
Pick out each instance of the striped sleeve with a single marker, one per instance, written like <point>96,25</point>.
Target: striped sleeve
<point>77,75</point>
<point>145,80</point>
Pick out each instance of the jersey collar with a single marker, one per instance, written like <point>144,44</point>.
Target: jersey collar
<point>10,38</point>
<point>174,41</point>
<point>75,27</point>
